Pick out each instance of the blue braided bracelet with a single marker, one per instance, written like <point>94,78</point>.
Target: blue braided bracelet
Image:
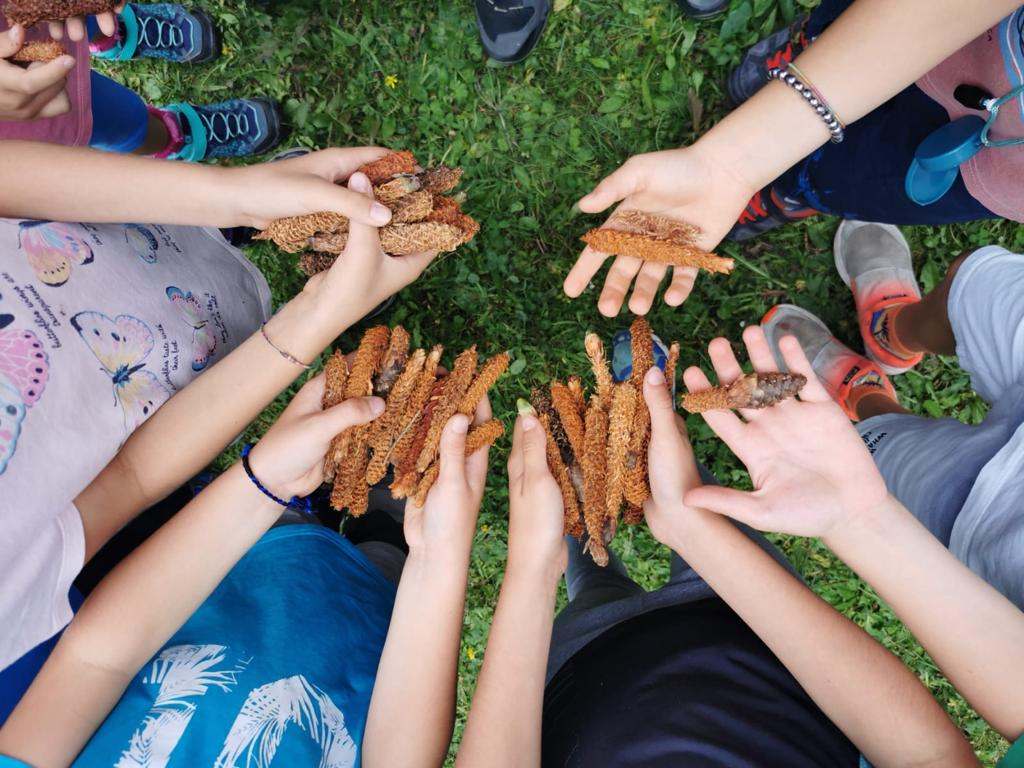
<point>305,506</point>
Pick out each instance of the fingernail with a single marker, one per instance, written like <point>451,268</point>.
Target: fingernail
<point>524,407</point>
<point>13,33</point>
<point>380,214</point>
<point>655,377</point>
<point>528,422</point>
<point>376,406</point>
<point>67,61</point>
<point>460,424</point>
<point>359,182</point>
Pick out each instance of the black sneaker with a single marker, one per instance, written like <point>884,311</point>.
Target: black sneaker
<point>509,29</point>
<point>233,128</point>
<point>703,9</point>
<point>775,51</point>
<point>766,211</point>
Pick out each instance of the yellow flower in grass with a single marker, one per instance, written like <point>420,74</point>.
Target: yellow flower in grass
<point>391,81</point>
<point>471,653</point>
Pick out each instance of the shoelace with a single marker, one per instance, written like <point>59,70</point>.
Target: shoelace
<point>167,34</point>
<point>222,126</point>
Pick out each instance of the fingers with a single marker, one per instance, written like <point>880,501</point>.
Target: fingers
<point>647,282</point>
<point>351,413</point>
<point>408,268</point>
<point>618,185</point>
<point>483,411</point>
<point>58,104</point>
<point>528,457</point>
<point>363,238</point>
<point>338,163</point>
<point>679,290</point>
<point>452,450</point>
<point>726,424</point>
<point>727,367</point>
<point>56,29</point>
<point>758,350</point>
<point>11,43</point>
<point>738,505</point>
<point>54,73</point>
<point>107,22</point>
<point>583,271</point>
<point>76,27</point>
<point>356,202</point>
<point>616,284</point>
<point>659,402</point>
<point>797,362</point>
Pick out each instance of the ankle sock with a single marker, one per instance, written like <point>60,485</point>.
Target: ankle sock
<point>868,384</point>
<point>882,326</point>
<point>175,130</point>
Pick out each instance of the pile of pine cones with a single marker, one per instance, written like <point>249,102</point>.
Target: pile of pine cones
<point>423,216</point>
<point>597,450</point>
<point>420,399</point>
<point>655,238</point>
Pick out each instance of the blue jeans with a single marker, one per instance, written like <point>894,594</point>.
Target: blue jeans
<point>863,177</point>
<point>119,115</point>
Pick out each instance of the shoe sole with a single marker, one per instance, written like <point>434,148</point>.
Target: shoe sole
<point>844,274</point>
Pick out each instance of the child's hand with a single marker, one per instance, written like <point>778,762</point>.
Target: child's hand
<point>33,92</point>
<point>535,518</point>
<point>289,460</point>
<point>684,183</point>
<point>446,522</point>
<point>255,195</point>
<point>809,467</point>
<point>76,29</point>
<point>363,276</point>
<point>671,466</point>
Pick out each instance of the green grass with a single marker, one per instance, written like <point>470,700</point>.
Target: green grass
<point>610,78</point>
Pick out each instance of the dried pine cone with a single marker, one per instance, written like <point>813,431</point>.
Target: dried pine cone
<point>383,435</point>
<point>754,390</point>
<point>292,233</point>
<point>393,362</point>
<point>30,12</point>
<point>396,188</point>
<point>620,422</point>
<point>479,437</point>
<point>649,248</point>
<point>440,179</point>
<point>564,403</point>
<point>38,51</point>
<point>599,365</point>
<point>456,384</point>
<point>416,206</point>
<point>660,227</point>
<point>396,239</point>
<point>489,373</point>
<point>390,165</point>
<point>593,463</point>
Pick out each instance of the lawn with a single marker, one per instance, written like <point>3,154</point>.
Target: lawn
<point>610,78</point>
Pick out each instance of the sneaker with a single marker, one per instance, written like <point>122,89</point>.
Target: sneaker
<point>775,51</point>
<point>622,354</point>
<point>161,31</point>
<point>767,210</point>
<point>874,261</point>
<point>509,29</point>
<point>846,375</point>
<point>234,128</point>
<point>703,9</point>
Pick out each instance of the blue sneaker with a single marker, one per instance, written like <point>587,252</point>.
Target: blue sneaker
<point>622,356</point>
<point>234,128</point>
<point>161,31</point>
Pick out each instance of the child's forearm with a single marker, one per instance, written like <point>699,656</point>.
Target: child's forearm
<point>195,425</point>
<point>864,689</point>
<point>504,726</point>
<point>875,49</point>
<point>152,593</point>
<point>974,633</point>
<point>48,181</point>
<point>414,693</point>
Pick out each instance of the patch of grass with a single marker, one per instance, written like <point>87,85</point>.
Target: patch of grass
<point>609,79</point>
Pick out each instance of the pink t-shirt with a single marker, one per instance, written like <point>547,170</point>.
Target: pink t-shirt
<point>994,61</point>
<point>72,129</point>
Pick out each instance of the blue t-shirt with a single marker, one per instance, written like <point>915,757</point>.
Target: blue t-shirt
<point>274,669</point>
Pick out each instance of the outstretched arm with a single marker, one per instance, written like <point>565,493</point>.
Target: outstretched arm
<point>414,693</point>
<point>195,425</point>
<point>814,477</point>
<point>858,63</point>
<point>129,188</point>
<point>865,690</point>
<point>166,579</point>
<point>504,727</point>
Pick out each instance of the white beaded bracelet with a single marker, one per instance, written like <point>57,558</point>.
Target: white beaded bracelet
<point>814,100</point>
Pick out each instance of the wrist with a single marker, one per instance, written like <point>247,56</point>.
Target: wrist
<point>867,522</point>
<point>535,572</point>
<point>259,502</point>
<point>437,564</point>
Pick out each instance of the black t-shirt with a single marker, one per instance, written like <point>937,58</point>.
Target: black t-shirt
<point>689,685</point>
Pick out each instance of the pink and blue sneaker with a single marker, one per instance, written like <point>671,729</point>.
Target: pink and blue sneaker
<point>233,128</point>
<point>160,31</point>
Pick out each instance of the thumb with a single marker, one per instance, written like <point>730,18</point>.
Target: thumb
<point>355,202</point>
<point>351,413</point>
<point>534,447</point>
<point>453,449</point>
<point>37,79</point>
<point>11,43</point>
<point>363,239</point>
<point>620,184</point>
<point>739,505</point>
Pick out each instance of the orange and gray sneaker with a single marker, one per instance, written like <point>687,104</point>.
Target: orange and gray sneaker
<point>846,375</point>
<point>874,261</point>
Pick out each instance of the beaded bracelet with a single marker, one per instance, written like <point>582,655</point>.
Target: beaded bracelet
<point>814,100</point>
<point>305,506</point>
<point>286,355</point>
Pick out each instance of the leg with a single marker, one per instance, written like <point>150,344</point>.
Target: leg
<point>120,120</point>
<point>379,535</point>
<point>589,585</point>
<point>925,325</point>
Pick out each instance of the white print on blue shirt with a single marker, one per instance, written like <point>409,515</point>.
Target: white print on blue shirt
<point>184,674</point>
